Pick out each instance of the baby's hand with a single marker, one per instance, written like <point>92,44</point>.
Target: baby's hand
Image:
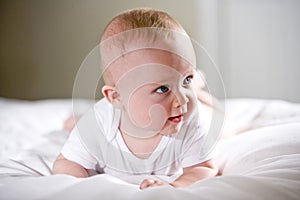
<point>150,183</point>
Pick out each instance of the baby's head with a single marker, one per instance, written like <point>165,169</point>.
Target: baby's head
<point>148,64</point>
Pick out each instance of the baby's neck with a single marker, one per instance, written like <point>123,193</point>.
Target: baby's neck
<point>141,147</point>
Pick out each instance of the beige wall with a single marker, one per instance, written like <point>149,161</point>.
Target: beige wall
<point>43,42</point>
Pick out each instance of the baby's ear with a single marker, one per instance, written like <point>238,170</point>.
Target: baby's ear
<point>111,95</point>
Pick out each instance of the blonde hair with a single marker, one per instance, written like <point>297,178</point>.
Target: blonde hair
<point>140,18</point>
<point>136,19</point>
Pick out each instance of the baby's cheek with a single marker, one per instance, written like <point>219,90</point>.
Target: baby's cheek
<point>146,114</point>
<point>158,117</point>
<point>139,115</point>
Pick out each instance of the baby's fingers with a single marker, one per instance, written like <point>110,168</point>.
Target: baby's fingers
<point>146,183</point>
<point>150,183</point>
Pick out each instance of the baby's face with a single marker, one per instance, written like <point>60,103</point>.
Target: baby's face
<point>156,93</point>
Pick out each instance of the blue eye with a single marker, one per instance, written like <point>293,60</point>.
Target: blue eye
<point>188,80</point>
<point>162,89</point>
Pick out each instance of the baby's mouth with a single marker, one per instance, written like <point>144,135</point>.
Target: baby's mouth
<point>176,119</point>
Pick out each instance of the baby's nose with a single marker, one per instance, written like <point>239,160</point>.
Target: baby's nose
<point>179,100</point>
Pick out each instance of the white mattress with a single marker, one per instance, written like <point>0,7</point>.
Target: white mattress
<point>262,162</point>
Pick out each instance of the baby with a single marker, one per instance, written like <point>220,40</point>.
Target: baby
<point>149,121</point>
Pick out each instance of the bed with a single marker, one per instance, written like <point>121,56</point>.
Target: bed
<point>261,162</point>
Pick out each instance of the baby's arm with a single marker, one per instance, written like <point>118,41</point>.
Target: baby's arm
<point>195,173</point>
<point>203,96</point>
<point>70,122</point>
<point>64,166</point>
<point>190,175</point>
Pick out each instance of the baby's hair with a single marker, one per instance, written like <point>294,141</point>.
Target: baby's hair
<point>140,18</point>
<point>135,19</point>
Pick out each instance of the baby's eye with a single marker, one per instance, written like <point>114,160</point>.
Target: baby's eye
<point>162,89</point>
<point>188,80</point>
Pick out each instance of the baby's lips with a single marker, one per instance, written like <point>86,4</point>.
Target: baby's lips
<point>176,119</point>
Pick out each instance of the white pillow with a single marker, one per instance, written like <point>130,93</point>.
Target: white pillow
<point>272,151</point>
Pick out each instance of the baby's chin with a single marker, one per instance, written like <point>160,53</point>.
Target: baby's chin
<point>170,129</point>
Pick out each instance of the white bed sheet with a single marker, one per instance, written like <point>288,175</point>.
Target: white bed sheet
<point>263,163</point>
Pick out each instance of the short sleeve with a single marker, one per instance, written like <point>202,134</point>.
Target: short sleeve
<point>193,152</point>
<point>195,148</point>
<point>75,151</point>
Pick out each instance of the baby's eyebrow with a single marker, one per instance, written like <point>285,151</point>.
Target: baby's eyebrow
<point>189,71</point>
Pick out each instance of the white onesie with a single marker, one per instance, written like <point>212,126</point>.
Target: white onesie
<point>96,143</point>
